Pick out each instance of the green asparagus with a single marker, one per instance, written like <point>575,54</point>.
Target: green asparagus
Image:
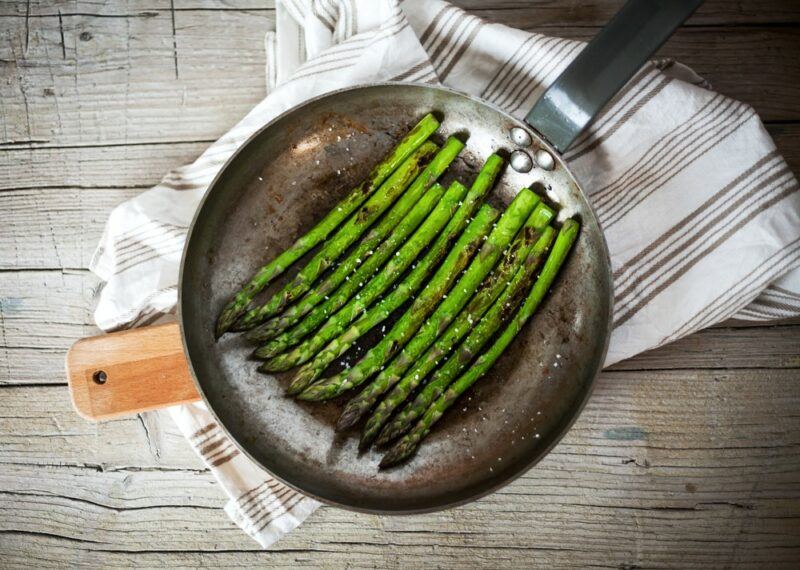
<point>489,290</point>
<point>480,335</point>
<point>467,244</point>
<point>356,281</point>
<point>328,224</point>
<point>372,209</point>
<point>338,323</point>
<point>409,443</point>
<point>375,236</point>
<point>426,303</point>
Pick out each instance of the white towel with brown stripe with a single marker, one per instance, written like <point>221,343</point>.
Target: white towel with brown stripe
<point>701,213</point>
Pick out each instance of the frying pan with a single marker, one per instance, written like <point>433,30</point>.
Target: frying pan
<point>273,189</point>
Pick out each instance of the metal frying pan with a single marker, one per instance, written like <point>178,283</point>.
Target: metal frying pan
<point>285,176</point>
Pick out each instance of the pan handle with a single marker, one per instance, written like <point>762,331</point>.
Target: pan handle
<point>123,373</point>
<point>604,66</point>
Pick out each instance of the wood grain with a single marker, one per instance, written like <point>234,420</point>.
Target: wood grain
<point>564,13</point>
<point>96,86</point>
<point>43,312</point>
<point>658,464</point>
<point>129,372</point>
<point>686,456</point>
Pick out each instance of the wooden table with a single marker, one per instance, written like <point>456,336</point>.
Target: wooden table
<point>688,456</point>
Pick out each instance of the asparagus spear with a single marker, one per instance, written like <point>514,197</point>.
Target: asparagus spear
<point>490,289</point>
<point>372,209</point>
<point>443,211</point>
<point>439,289</point>
<point>479,336</point>
<point>467,244</point>
<point>337,324</point>
<point>330,222</point>
<point>374,236</point>
<point>409,443</point>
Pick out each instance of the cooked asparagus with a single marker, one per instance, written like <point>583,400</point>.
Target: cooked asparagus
<point>409,443</point>
<point>354,284</point>
<point>441,300</point>
<point>266,274</point>
<point>374,237</point>
<point>372,209</point>
<point>489,290</point>
<point>480,335</point>
<point>337,324</point>
<point>467,244</point>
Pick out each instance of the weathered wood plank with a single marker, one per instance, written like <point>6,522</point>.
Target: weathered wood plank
<point>93,80</point>
<point>59,199</point>
<point>666,468</point>
<point>92,167</point>
<point>50,552</point>
<point>679,467</point>
<point>38,426</point>
<point>55,227</point>
<point>559,13</point>
<point>544,12</point>
<point>113,80</point>
<point>740,347</point>
<point>21,8</point>
<point>43,312</point>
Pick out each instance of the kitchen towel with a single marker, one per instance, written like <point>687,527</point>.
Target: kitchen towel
<point>701,213</point>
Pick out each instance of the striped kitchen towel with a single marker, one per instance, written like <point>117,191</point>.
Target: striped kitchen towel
<point>701,213</point>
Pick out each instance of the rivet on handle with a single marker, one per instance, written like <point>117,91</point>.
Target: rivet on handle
<point>100,376</point>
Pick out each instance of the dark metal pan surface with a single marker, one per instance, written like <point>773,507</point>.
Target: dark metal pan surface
<point>271,191</point>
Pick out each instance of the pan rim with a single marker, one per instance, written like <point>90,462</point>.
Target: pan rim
<point>524,466</point>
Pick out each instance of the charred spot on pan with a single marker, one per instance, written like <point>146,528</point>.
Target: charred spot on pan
<point>337,121</point>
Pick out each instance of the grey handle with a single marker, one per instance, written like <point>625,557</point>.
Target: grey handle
<point>604,66</point>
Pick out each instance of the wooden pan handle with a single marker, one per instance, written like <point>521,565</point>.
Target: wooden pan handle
<point>127,372</point>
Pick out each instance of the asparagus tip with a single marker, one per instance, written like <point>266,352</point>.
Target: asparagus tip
<point>224,322</point>
<point>265,352</point>
<point>365,441</point>
<point>299,383</point>
<point>308,395</point>
<point>236,326</point>
<point>348,419</point>
<point>258,335</point>
<point>275,365</point>
<point>396,455</point>
<point>385,436</point>
<point>313,392</point>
